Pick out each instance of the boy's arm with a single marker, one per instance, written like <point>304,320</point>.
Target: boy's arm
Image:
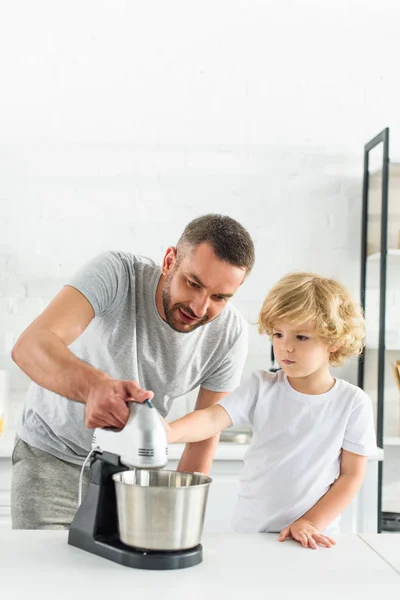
<point>198,425</point>
<point>341,493</point>
<point>307,528</point>
<point>198,456</point>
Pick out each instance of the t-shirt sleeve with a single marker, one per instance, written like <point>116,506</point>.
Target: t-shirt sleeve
<point>228,375</point>
<point>240,404</point>
<point>103,281</point>
<point>360,436</point>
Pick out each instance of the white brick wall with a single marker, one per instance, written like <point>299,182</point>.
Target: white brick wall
<point>122,121</point>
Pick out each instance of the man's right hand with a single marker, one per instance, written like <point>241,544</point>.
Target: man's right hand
<point>107,402</point>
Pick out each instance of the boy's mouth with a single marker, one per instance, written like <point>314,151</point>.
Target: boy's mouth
<point>288,362</point>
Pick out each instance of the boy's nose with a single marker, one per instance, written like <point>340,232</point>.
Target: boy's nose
<point>288,347</point>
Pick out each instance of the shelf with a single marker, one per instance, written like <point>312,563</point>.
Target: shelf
<point>387,348</point>
<point>395,252</point>
<point>392,441</point>
<point>394,172</point>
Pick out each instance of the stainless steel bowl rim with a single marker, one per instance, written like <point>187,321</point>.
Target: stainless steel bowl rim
<point>166,487</point>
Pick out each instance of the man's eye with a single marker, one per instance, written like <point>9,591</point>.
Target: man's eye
<point>220,298</point>
<point>193,284</point>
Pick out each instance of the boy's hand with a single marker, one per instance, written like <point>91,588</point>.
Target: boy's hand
<point>304,532</point>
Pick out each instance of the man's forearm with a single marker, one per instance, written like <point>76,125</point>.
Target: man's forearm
<point>49,363</point>
<point>336,499</point>
<point>198,456</point>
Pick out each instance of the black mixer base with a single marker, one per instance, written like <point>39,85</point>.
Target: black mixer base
<point>113,549</point>
<point>94,527</point>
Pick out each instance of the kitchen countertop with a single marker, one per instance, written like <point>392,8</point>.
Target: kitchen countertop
<point>225,450</point>
<point>6,442</point>
<point>387,545</point>
<point>41,563</point>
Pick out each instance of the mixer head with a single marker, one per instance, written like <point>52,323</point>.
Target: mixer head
<point>142,443</point>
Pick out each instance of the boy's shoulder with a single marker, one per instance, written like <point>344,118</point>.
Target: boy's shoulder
<point>346,390</point>
<point>352,391</point>
<point>267,379</point>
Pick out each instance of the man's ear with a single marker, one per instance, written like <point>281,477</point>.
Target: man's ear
<point>169,260</point>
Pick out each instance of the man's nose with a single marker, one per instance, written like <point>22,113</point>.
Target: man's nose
<point>200,305</point>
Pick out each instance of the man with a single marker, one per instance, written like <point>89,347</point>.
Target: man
<point>125,328</point>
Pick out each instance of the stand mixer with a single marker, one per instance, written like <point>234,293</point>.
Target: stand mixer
<point>141,444</point>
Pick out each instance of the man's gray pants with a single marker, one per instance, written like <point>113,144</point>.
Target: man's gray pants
<point>44,489</point>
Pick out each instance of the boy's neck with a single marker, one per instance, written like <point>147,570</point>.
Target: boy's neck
<point>319,382</point>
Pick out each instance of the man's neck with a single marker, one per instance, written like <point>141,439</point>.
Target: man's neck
<point>159,301</point>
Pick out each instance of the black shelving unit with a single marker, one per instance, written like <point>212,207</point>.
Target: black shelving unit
<point>381,138</point>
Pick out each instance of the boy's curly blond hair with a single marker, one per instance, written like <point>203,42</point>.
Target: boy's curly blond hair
<point>300,298</point>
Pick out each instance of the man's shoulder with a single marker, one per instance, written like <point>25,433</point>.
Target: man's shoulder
<point>107,277</point>
<point>232,321</point>
<point>129,258</point>
<point>122,261</point>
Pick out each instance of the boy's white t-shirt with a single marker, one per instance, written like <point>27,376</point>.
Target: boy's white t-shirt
<point>294,456</point>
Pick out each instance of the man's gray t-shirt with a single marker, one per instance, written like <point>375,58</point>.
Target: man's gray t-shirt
<point>128,339</point>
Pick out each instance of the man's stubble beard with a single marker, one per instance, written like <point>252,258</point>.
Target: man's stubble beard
<point>170,311</point>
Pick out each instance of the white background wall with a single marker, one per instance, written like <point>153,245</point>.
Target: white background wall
<point>121,121</point>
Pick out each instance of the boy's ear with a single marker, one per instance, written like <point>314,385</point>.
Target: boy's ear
<point>333,348</point>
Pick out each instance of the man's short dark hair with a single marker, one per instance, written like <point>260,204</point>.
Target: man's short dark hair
<point>228,238</point>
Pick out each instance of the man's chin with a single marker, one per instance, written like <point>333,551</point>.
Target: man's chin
<point>184,327</point>
<point>177,325</point>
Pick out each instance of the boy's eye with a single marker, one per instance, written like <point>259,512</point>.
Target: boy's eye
<point>277,335</point>
<point>302,338</point>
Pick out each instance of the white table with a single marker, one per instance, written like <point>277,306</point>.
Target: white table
<point>41,565</point>
<point>387,545</point>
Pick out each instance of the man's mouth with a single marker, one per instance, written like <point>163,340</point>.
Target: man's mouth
<point>187,318</point>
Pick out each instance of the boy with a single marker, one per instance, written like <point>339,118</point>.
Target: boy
<point>312,433</point>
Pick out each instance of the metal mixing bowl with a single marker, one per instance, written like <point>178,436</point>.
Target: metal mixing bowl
<point>159,509</point>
